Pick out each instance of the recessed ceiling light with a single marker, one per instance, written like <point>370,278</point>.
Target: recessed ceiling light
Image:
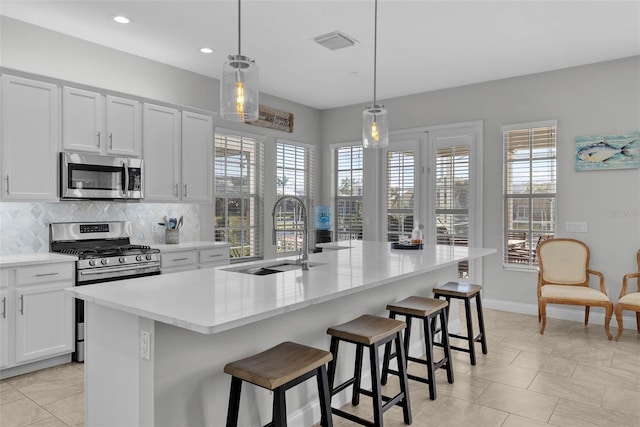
<point>206,50</point>
<point>121,19</point>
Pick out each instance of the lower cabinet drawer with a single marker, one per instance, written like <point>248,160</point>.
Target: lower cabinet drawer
<point>215,255</point>
<point>178,259</point>
<point>44,273</point>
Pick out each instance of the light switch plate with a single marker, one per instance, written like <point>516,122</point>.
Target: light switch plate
<point>576,227</point>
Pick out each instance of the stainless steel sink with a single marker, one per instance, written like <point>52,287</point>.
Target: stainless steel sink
<point>270,268</point>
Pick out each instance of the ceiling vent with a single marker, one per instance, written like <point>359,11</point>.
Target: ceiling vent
<point>335,40</point>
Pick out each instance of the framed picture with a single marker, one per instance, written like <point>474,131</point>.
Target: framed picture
<point>602,152</point>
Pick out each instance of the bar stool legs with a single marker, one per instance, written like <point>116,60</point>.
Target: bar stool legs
<point>466,292</point>
<point>370,332</point>
<point>428,310</point>
<point>279,369</point>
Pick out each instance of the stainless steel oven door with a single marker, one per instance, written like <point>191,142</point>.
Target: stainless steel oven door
<point>90,176</point>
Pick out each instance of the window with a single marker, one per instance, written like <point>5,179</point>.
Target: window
<point>453,198</point>
<point>529,190</point>
<point>401,202</point>
<point>348,192</point>
<point>294,164</point>
<point>238,194</point>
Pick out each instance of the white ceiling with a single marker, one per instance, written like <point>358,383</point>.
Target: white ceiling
<point>423,45</point>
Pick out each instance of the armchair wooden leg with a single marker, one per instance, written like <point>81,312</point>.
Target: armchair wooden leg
<point>618,310</point>
<point>586,315</point>
<point>638,321</point>
<point>542,314</point>
<point>607,320</point>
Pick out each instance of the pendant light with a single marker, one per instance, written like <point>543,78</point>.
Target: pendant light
<point>375,125</point>
<point>239,86</point>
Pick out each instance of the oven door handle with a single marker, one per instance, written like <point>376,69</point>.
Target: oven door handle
<point>116,269</point>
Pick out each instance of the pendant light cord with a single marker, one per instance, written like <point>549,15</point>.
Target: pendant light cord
<point>375,50</point>
<point>239,28</point>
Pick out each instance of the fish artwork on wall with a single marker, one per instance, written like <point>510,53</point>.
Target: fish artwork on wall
<point>602,152</point>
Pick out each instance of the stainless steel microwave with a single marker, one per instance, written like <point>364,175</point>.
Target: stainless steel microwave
<point>92,176</point>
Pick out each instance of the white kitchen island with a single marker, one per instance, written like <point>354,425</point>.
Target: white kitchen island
<point>197,321</point>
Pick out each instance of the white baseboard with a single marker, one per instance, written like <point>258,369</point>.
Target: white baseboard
<point>596,315</point>
<point>34,366</point>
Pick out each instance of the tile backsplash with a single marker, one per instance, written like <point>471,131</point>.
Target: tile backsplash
<point>24,227</point>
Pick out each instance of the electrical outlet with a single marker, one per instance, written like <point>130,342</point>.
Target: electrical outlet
<point>154,227</point>
<point>145,345</point>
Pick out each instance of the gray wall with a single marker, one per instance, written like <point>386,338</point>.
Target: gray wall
<point>595,99</point>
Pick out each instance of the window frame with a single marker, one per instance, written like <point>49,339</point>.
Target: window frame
<point>531,263</point>
<point>258,196</point>
<point>307,198</point>
<point>337,198</point>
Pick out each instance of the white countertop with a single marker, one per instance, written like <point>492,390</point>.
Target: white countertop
<point>215,300</point>
<point>22,260</point>
<point>182,246</point>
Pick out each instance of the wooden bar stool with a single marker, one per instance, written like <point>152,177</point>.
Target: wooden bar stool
<point>466,292</point>
<point>428,310</point>
<point>371,332</point>
<point>278,369</point>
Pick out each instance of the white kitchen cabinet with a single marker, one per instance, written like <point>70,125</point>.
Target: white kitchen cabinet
<point>192,256</point>
<point>177,150</point>
<point>161,138</point>
<point>44,320</point>
<point>95,123</point>
<point>37,321</point>
<point>124,126</point>
<point>197,151</point>
<point>30,139</point>
<point>213,257</point>
<point>4,327</point>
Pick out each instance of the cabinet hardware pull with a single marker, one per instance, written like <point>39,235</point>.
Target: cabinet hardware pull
<point>22,305</point>
<point>4,307</point>
<point>180,259</point>
<point>98,139</point>
<point>185,190</point>
<point>214,255</point>
<point>8,191</point>
<point>47,274</point>
<point>110,141</point>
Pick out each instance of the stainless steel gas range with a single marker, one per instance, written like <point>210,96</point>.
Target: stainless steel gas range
<point>105,254</point>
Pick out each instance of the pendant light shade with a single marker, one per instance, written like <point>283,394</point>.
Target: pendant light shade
<point>375,124</point>
<point>239,82</point>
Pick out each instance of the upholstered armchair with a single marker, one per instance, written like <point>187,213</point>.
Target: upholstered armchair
<point>563,278</point>
<point>628,300</point>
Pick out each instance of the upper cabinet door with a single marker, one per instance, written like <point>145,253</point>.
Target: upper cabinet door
<point>197,144</point>
<point>30,139</point>
<point>161,150</point>
<point>124,130</point>
<point>83,121</point>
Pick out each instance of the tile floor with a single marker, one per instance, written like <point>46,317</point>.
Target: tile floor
<point>571,376</point>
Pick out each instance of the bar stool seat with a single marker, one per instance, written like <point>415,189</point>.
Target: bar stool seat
<point>466,292</point>
<point>428,310</point>
<point>371,332</point>
<point>278,369</point>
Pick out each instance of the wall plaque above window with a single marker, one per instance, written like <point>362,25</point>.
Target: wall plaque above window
<point>274,119</point>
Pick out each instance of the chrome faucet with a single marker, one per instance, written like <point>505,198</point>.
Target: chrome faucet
<point>303,257</point>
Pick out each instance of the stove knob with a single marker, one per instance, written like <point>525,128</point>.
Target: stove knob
<point>123,259</point>
<point>92,262</point>
<point>149,257</point>
<point>138,257</point>
<point>104,261</point>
